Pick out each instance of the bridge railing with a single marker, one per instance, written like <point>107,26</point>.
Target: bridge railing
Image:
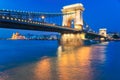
<point>19,20</point>
<point>34,16</point>
<point>11,19</point>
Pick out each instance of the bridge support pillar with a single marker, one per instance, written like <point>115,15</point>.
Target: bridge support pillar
<point>82,35</point>
<point>103,39</point>
<point>72,39</point>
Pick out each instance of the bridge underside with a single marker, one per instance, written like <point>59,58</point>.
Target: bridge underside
<point>37,27</point>
<point>46,27</point>
<point>94,36</point>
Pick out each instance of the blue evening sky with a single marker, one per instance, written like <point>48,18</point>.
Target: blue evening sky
<point>98,13</point>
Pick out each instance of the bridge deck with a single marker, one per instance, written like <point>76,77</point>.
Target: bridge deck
<point>19,23</point>
<point>14,23</point>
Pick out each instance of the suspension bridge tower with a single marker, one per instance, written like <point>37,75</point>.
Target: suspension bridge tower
<point>103,32</point>
<point>73,18</point>
<point>73,13</point>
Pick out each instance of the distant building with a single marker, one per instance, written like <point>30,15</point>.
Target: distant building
<point>113,35</point>
<point>17,36</point>
<point>103,32</point>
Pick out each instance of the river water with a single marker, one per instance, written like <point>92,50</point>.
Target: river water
<point>46,60</point>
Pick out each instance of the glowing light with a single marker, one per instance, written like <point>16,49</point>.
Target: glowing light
<point>8,18</point>
<point>15,18</point>
<point>11,18</point>
<point>18,19</point>
<point>3,17</point>
<point>30,19</point>
<point>43,17</point>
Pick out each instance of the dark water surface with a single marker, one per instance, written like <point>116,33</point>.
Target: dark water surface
<point>46,60</point>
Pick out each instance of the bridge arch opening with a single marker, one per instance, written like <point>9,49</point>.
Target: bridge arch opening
<point>70,22</point>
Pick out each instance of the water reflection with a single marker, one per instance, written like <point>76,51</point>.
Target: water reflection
<point>71,64</point>
<point>74,64</point>
<point>43,70</point>
<point>3,76</point>
<point>52,62</point>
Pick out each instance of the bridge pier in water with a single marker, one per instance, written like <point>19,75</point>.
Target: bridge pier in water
<point>72,39</point>
<point>78,39</point>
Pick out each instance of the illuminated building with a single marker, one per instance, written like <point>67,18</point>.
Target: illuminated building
<point>17,36</point>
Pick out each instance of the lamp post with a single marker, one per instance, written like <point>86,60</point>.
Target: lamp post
<point>43,18</point>
<point>30,19</point>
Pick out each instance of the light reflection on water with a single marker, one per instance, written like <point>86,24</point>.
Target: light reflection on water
<point>69,64</point>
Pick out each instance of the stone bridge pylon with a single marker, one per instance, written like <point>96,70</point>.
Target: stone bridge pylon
<point>74,16</point>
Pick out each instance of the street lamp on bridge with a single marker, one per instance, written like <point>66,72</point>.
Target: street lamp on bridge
<point>30,19</point>
<point>43,18</point>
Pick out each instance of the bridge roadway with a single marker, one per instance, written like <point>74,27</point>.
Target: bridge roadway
<point>17,23</point>
<point>14,23</point>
